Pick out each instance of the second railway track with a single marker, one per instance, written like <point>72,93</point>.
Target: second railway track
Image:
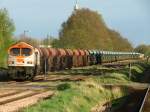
<point>137,101</point>
<point>145,105</point>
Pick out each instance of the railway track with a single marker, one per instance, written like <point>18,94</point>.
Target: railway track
<point>137,101</point>
<point>12,100</point>
<point>60,78</point>
<point>145,106</point>
<point>122,63</point>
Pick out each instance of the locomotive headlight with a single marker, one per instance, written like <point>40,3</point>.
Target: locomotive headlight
<point>11,62</point>
<point>29,62</point>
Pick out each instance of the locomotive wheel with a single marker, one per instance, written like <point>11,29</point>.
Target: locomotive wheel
<point>30,76</point>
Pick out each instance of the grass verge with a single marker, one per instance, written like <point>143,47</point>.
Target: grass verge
<point>77,97</point>
<point>83,96</point>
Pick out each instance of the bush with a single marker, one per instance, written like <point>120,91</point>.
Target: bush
<point>63,87</point>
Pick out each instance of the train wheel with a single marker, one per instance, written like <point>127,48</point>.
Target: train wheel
<point>31,75</point>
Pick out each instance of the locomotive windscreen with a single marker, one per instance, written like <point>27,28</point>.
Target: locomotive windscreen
<point>15,51</point>
<point>20,52</point>
<point>26,52</point>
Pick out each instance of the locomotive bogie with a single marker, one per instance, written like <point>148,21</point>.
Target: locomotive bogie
<point>21,72</point>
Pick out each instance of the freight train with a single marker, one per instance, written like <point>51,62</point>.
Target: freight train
<point>26,61</point>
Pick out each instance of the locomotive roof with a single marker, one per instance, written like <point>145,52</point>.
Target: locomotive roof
<point>21,45</point>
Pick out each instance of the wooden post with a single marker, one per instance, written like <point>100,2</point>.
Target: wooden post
<point>130,71</point>
<point>148,57</point>
<point>45,69</point>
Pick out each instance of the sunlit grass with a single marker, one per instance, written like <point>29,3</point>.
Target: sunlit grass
<point>83,96</point>
<point>114,78</point>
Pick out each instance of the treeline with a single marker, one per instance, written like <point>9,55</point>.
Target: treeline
<point>6,31</point>
<point>86,29</point>
<point>47,41</point>
<point>144,49</point>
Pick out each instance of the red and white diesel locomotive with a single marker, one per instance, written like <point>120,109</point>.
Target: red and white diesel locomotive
<point>26,61</point>
<point>23,60</point>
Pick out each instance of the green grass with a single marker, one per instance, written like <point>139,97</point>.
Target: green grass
<point>89,70</point>
<point>3,52</point>
<point>80,97</point>
<point>114,78</point>
<point>83,96</point>
<point>122,76</point>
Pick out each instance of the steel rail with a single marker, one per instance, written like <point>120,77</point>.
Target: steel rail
<point>145,97</point>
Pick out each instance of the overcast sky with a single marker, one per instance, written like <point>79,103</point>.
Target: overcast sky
<point>41,17</point>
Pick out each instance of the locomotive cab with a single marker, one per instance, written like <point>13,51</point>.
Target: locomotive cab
<point>22,61</point>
